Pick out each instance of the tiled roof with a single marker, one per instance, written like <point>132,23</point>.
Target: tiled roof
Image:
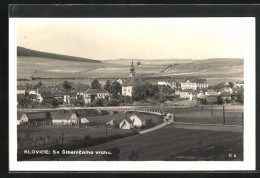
<point>95,91</point>
<point>36,115</point>
<point>196,80</point>
<point>47,95</point>
<point>21,88</point>
<point>62,115</point>
<point>133,81</point>
<point>45,89</point>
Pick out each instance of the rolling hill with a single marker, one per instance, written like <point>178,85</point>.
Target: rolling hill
<point>32,53</point>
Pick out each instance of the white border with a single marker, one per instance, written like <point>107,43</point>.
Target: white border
<point>249,107</point>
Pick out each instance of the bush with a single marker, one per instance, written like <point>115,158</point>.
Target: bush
<point>87,137</point>
<point>113,102</point>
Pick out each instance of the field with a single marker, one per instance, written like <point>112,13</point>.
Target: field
<point>233,115</point>
<point>214,70</point>
<point>71,135</point>
<point>164,144</point>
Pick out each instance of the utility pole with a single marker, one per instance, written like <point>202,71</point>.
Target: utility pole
<point>106,130</point>
<point>202,106</point>
<point>211,110</point>
<point>224,119</point>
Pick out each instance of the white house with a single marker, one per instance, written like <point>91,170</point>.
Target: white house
<point>170,83</point>
<point>91,94</point>
<point>126,124</point>
<point>84,120</point>
<point>136,121</point>
<point>22,118</point>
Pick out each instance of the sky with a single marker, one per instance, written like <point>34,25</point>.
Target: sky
<point>137,38</point>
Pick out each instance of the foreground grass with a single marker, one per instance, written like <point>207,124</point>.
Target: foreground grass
<point>162,144</point>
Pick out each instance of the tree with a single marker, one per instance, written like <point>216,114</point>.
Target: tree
<point>39,84</point>
<point>115,88</point>
<point>113,102</point>
<point>95,84</point>
<point>230,84</point>
<point>99,102</point>
<point>107,85</point>
<point>134,156</point>
<point>138,63</point>
<point>139,92</point>
<point>54,103</point>
<point>219,100</point>
<point>66,85</point>
<point>152,90</point>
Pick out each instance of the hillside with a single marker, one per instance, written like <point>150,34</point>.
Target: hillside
<point>32,53</point>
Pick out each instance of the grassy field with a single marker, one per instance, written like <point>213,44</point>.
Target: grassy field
<point>233,115</point>
<point>163,144</point>
<point>71,135</point>
<point>214,71</point>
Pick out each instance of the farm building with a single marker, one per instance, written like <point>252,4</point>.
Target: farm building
<point>84,120</point>
<point>111,122</point>
<point>64,118</point>
<point>21,90</point>
<point>91,94</point>
<point>39,118</point>
<point>127,86</point>
<point>126,124</point>
<point>137,120</point>
<point>22,118</point>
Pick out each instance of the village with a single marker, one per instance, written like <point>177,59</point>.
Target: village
<point>121,107</point>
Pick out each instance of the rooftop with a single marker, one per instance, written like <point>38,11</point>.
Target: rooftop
<point>133,81</point>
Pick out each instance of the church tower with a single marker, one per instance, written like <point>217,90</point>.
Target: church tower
<point>132,70</point>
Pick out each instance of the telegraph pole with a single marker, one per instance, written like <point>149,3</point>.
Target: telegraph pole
<point>211,110</point>
<point>224,119</point>
<point>106,130</point>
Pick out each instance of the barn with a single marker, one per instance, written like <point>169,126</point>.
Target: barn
<point>126,124</point>
<point>65,117</point>
<point>22,118</point>
<point>38,119</point>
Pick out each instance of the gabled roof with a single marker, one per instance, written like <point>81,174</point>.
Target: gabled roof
<point>212,93</point>
<point>62,115</point>
<point>95,91</point>
<point>19,115</point>
<point>133,81</point>
<point>36,115</point>
<point>127,120</point>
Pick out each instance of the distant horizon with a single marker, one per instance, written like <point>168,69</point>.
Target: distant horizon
<point>138,58</point>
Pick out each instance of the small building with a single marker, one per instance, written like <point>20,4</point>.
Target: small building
<point>239,85</point>
<point>91,94</point>
<point>126,124</point>
<point>111,122</point>
<point>84,120</point>
<point>65,117</point>
<point>38,119</point>
<point>137,121</point>
<point>22,118</point>
<point>120,81</point>
<point>21,90</point>
<point>170,83</point>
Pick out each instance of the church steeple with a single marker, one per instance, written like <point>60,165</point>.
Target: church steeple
<point>132,70</point>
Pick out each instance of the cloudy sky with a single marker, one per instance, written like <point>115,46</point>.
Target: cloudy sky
<point>138,38</point>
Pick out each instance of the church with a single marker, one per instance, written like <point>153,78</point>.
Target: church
<point>127,86</point>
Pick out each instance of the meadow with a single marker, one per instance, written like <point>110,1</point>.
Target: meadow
<point>162,144</point>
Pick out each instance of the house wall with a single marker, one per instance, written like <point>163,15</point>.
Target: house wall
<point>136,121</point>
<point>21,92</point>
<point>184,95</point>
<point>61,122</point>
<point>127,90</point>
<point>188,85</point>
<point>125,125</point>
